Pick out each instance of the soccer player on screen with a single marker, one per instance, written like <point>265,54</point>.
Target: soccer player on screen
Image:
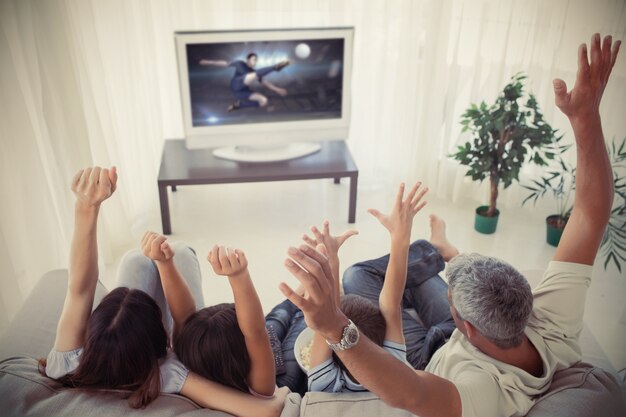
<point>245,75</point>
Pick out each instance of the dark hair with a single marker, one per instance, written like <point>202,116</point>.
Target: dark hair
<point>211,344</point>
<point>367,317</point>
<point>124,341</point>
<point>250,55</point>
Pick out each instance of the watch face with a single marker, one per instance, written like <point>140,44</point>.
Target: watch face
<point>353,335</point>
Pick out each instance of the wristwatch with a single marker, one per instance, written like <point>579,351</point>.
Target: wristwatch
<point>349,339</point>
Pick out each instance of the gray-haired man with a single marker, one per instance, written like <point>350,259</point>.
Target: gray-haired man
<point>492,366</point>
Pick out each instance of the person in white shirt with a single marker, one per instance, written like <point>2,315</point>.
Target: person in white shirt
<point>509,341</point>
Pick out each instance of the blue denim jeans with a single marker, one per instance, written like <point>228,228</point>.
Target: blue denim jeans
<point>288,322</point>
<point>425,292</point>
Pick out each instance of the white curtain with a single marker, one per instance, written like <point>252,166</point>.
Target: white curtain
<point>87,82</point>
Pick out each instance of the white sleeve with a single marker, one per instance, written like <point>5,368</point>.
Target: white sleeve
<point>59,364</point>
<point>325,377</point>
<point>559,299</point>
<point>397,350</point>
<point>480,395</point>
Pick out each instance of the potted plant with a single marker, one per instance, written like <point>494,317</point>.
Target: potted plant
<point>613,245</point>
<point>506,134</point>
<point>560,182</point>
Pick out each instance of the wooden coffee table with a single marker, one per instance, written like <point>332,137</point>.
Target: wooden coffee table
<point>182,166</point>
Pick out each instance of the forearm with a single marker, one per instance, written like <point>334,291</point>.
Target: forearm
<point>177,293</point>
<point>320,351</point>
<point>399,385</point>
<point>249,309</point>
<point>252,324</point>
<point>213,395</point>
<point>395,277</point>
<point>594,176</point>
<point>83,270</point>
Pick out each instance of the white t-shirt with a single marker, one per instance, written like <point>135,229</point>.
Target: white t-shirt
<point>490,388</point>
<point>173,372</point>
<point>329,377</point>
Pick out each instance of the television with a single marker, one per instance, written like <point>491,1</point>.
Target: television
<point>265,95</point>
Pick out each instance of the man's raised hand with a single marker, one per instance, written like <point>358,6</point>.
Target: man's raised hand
<point>92,186</point>
<point>319,305</point>
<point>591,79</point>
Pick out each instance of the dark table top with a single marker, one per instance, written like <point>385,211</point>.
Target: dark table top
<point>180,166</point>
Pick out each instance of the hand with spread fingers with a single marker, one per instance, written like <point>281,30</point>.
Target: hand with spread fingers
<point>329,245</point>
<point>332,243</point>
<point>400,220</point>
<point>591,79</point>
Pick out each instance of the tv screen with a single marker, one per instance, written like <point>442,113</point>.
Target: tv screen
<point>265,81</point>
<point>264,87</point>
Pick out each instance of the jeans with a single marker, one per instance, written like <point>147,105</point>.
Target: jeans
<point>140,272</point>
<point>425,292</point>
<point>288,322</point>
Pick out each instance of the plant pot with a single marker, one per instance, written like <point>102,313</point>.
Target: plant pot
<point>553,230</point>
<point>484,224</point>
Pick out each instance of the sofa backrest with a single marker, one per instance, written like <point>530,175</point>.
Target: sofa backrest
<point>24,392</point>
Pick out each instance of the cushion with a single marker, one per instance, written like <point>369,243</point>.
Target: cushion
<point>582,391</point>
<point>33,329</point>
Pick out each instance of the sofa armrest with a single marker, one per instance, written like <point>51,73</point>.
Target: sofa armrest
<point>33,329</point>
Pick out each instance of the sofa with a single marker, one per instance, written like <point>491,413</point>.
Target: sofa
<point>583,390</point>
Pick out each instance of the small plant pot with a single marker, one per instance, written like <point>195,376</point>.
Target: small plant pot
<point>554,230</point>
<point>484,224</point>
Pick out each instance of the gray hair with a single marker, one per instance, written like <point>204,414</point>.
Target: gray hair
<point>492,295</point>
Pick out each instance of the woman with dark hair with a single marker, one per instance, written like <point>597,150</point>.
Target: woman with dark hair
<point>123,343</point>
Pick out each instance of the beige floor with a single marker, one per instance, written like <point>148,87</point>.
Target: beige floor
<point>264,219</point>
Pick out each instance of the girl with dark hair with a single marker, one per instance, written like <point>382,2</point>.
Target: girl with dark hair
<point>123,343</point>
<point>225,343</point>
<point>231,343</point>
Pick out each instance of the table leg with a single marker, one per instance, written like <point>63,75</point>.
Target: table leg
<point>352,206</point>
<point>337,180</point>
<point>165,210</point>
<point>173,188</point>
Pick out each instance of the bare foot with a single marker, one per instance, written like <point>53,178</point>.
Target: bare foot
<point>439,240</point>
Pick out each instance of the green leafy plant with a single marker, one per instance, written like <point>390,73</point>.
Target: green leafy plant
<point>506,134</point>
<point>560,182</point>
<point>613,246</point>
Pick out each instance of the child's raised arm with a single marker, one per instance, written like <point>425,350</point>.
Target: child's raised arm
<point>399,223</point>
<point>233,264</point>
<point>177,294</point>
<point>329,246</point>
